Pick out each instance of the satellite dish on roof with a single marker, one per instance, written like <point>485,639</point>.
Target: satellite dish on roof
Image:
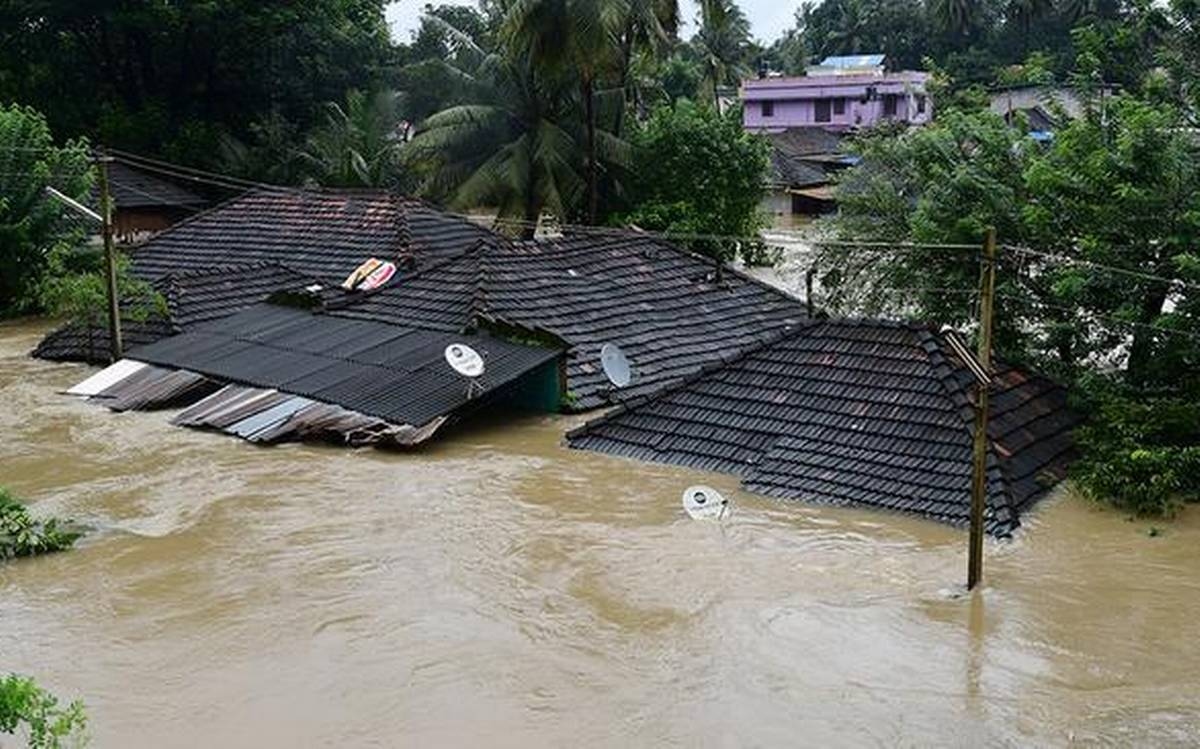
<point>704,503</point>
<point>464,360</point>
<point>615,365</point>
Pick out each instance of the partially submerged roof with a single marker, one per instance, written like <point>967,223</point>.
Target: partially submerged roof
<point>191,297</point>
<point>855,413</point>
<point>665,307</point>
<point>241,251</point>
<point>395,373</point>
<point>132,188</point>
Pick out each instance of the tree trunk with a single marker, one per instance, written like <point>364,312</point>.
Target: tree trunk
<point>589,106</point>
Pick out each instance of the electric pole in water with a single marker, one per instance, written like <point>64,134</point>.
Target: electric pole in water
<point>110,258</point>
<point>987,294</point>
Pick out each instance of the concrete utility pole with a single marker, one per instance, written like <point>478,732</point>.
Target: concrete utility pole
<point>987,295</point>
<point>110,259</point>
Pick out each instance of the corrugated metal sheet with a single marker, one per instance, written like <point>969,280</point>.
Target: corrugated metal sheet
<point>394,373</point>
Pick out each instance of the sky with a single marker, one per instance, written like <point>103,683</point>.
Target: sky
<point>768,18</point>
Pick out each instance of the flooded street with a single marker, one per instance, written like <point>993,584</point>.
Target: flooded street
<point>498,589</point>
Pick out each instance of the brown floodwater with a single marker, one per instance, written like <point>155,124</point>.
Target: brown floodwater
<point>502,590</point>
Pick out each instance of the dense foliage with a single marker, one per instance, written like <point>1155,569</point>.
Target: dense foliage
<point>700,174</point>
<point>22,536</point>
<point>31,225</point>
<point>173,79</point>
<point>26,708</point>
<point>1099,281</point>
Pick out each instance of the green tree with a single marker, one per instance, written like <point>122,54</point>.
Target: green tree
<point>26,707</point>
<point>22,536</point>
<point>171,78</point>
<point>570,39</point>
<point>699,173</point>
<point>723,45</point>
<point>31,225</point>
<point>1110,295</point>
<point>514,147</point>
<point>359,143</point>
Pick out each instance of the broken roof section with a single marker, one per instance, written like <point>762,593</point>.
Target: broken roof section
<point>854,413</point>
<point>291,364</point>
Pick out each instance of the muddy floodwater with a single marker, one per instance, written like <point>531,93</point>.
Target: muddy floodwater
<point>502,590</point>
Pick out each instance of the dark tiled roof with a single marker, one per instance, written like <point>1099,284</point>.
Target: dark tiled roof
<point>133,188</point>
<point>322,234</point>
<point>792,152</point>
<point>805,141</point>
<point>310,235</point>
<point>191,297</point>
<point>853,412</point>
<point>443,296</point>
<point>386,370</point>
<point>792,171</point>
<point>660,304</point>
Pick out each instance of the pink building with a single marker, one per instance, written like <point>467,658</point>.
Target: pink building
<point>836,96</point>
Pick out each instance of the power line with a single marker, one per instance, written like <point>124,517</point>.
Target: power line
<point>1099,266</point>
<point>1101,318</point>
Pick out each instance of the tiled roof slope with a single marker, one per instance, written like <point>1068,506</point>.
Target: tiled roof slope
<point>386,370</point>
<point>662,305</point>
<point>324,234</point>
<point>854,413</point>
<point>134,188</point>
<point>191,297</point>
<point>443,296</point>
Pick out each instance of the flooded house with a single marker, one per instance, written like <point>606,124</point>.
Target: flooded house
<point>805,119</point>
<point>145,202</point>
<point>268,336</point>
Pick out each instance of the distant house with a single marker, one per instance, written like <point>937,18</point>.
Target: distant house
<point>145,202</point>
<point>803,163</point>
<point>1045,108</point>
<point>841,93</point>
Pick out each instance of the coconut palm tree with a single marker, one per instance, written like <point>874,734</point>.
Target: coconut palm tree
<point>511,148</point>
<point>359,144</point>
<point>572,39</point>
<point>954,16</point>
<point>723,42</point>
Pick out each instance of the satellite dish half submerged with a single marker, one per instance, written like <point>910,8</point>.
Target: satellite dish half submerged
<point>704,503</point>
<point>464,360</point>
<point>615,365</point>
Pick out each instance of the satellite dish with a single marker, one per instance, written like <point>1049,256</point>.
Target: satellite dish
<point>615,365</point>
<point>704,503</point>
<point>464,360</point>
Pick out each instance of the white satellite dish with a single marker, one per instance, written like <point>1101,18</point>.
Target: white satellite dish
<point>464,360</point>
<point>704,503</point>
<point>615,365</point>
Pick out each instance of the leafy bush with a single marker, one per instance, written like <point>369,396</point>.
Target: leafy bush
<point>22,536</point>
<point>699,173</point>
<point>30,224</point>
<point>1140,455</point>
<point>26,706</point>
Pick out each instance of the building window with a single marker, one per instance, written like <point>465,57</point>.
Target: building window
<point>889,105</point>
<point>920,105</point>
<point>839,106</point>
<point>822,110</point>
<point>768,109</point>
